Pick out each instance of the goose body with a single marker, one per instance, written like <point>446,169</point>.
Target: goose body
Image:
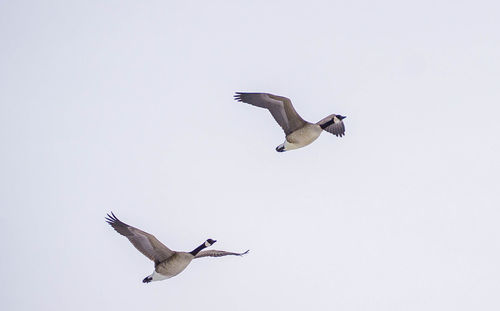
<point>168,263</point>
<point>299,133</point>
<point>301,137</point>
<point>171,267</point>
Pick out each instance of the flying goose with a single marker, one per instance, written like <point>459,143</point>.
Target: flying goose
<point>299,133</point>
<point>168,263</point>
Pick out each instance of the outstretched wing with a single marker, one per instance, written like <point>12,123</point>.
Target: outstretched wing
<point>280,107</point>
<point>336,127</point>
<point>216,253</point>
<point>144,242</point>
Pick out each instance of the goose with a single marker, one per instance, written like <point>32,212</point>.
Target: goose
<point>168,263</point>
<point>299,133</point>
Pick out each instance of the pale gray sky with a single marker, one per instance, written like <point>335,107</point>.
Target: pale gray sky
<point>127,106</point>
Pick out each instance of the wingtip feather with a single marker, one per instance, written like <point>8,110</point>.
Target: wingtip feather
<point>111,219</point>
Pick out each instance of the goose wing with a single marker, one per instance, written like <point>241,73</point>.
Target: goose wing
<point>145,243</point>
<point>337,128</point>
<point>280,107</point>
<point>216,253</point>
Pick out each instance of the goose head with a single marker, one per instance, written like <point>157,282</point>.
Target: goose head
<point>209,242</point>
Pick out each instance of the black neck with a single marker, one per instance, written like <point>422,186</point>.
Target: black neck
<point>327,124</point>
<point>195,251</point>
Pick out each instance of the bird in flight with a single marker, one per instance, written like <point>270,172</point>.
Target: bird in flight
<point>168,263</point>
<point>299,133</point>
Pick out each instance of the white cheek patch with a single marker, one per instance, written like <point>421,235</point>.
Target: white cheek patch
<point>207,244</point>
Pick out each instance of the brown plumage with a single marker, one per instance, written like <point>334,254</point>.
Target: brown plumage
<point>168,263</point>
<point>299,133</point>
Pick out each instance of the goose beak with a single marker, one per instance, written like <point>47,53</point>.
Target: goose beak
<point>341,117</point>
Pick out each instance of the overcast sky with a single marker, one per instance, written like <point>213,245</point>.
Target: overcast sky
<point>126,106</point>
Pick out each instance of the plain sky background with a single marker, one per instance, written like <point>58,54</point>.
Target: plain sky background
<point>127,106</point>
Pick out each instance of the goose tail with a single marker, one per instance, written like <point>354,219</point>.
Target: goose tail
<point>281,148</point>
